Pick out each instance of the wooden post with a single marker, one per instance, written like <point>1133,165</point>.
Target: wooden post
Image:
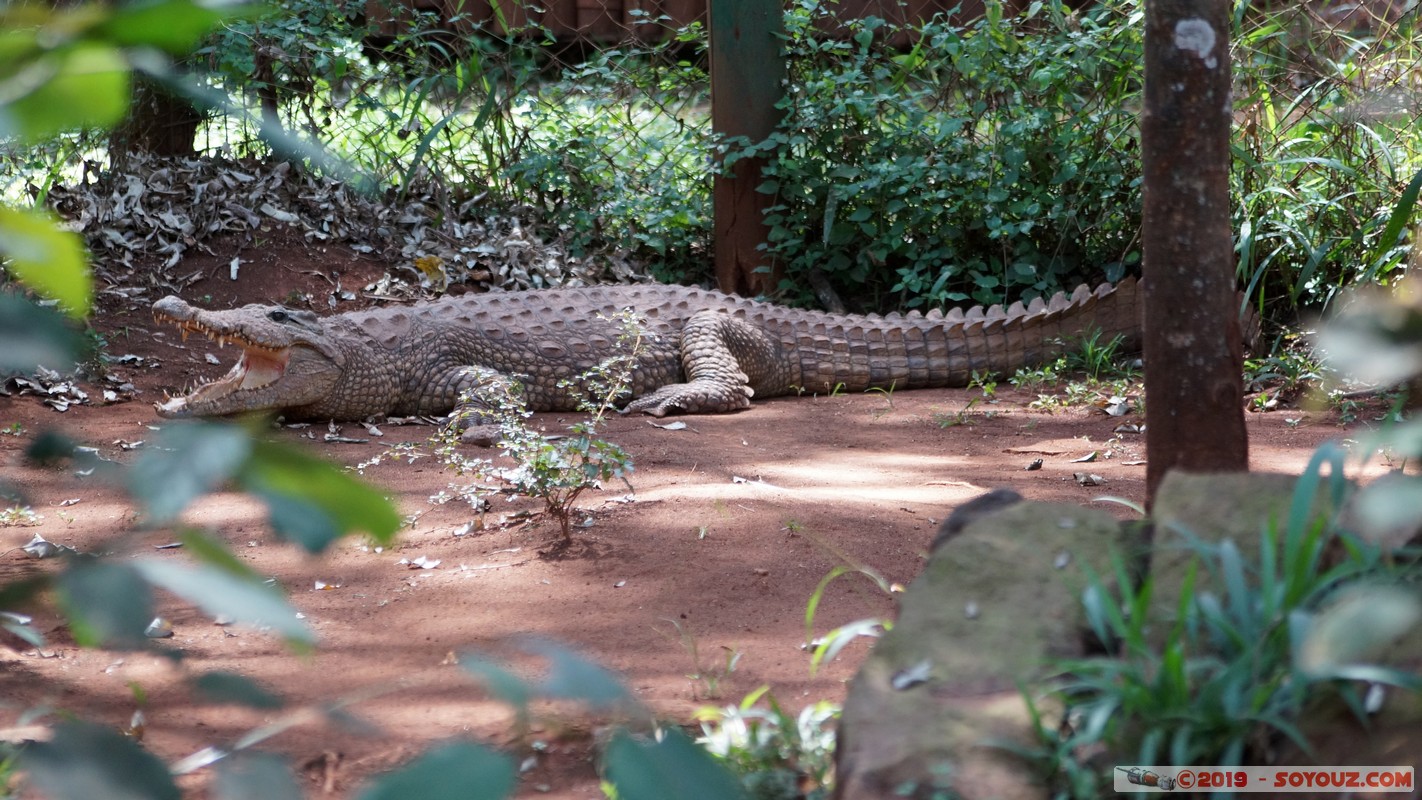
<point>1193,348</point>
<point>747,81</point>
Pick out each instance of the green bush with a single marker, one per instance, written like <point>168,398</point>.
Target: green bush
<point>614,156</point>
<point>983,161</point>
<point>1000,159</point>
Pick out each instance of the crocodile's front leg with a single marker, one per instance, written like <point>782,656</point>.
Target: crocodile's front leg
<point>724,358</point>
<point>483,393</point>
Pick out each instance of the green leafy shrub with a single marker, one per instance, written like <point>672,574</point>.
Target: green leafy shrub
<point>999,159</point>
<point>615,156</point>
<point>984,161</point>
<point>289,61</point>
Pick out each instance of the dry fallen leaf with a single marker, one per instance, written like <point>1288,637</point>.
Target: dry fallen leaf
<point>1117,406</point>
<point>39,547</point>
<point>911,676</point>
<point>137,724</point>
<point>159,628</point>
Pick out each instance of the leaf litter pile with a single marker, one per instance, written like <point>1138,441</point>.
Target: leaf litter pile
<point>157,210</point>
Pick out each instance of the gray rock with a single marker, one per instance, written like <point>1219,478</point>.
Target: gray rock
<point>933,704</point>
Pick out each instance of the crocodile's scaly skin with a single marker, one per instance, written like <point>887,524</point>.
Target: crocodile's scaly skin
<point>709,351</point>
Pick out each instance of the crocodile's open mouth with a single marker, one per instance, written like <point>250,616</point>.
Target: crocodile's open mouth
<point>257,368</point>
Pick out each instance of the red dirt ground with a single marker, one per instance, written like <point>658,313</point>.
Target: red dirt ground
<point>732,561</point>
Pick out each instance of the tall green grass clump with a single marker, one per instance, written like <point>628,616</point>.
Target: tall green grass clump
<point>1248,649</point>
<point>1326,143</point>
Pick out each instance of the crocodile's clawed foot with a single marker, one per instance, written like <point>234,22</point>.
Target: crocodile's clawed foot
<point>474,424</point>
<point>645,406</point>
<point>696,397</point>
<point>480,435</point>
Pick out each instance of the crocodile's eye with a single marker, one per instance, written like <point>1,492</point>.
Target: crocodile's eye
<point>279,315</point>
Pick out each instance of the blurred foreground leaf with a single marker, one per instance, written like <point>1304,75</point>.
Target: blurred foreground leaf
<point>47,259</point>
<point>572,677</point>
<point>79,85</point>
<point>108,604</point>
<point>671,768</point>
<point>455,771</point>
<point>1388,511</point>
<point>214,552</point>
<point>84,761</point>
<point>220,593</point>
<point>1357,627</point>
<point>35,336</point>
<point>174,26</point>
<point>229,687</point>
<point>20,626</point>
<point>186,461</point>
<point>501,683</point>
<point>255,776</point>
<point>311,502</point>
<point>1374,339</point>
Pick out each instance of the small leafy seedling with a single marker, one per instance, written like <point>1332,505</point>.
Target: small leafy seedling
<point>705,677</point>
<point>556,471</point>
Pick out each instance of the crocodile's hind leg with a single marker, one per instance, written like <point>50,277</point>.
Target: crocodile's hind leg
<point>723,358</point>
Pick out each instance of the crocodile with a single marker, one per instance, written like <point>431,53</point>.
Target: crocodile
<point>703,351</point>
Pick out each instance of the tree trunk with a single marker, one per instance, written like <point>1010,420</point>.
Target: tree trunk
<point>158,123</point>
<point>1193,349</point>
<point>747,81</point>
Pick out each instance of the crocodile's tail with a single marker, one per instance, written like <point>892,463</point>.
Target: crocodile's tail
<point>913,351</point>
